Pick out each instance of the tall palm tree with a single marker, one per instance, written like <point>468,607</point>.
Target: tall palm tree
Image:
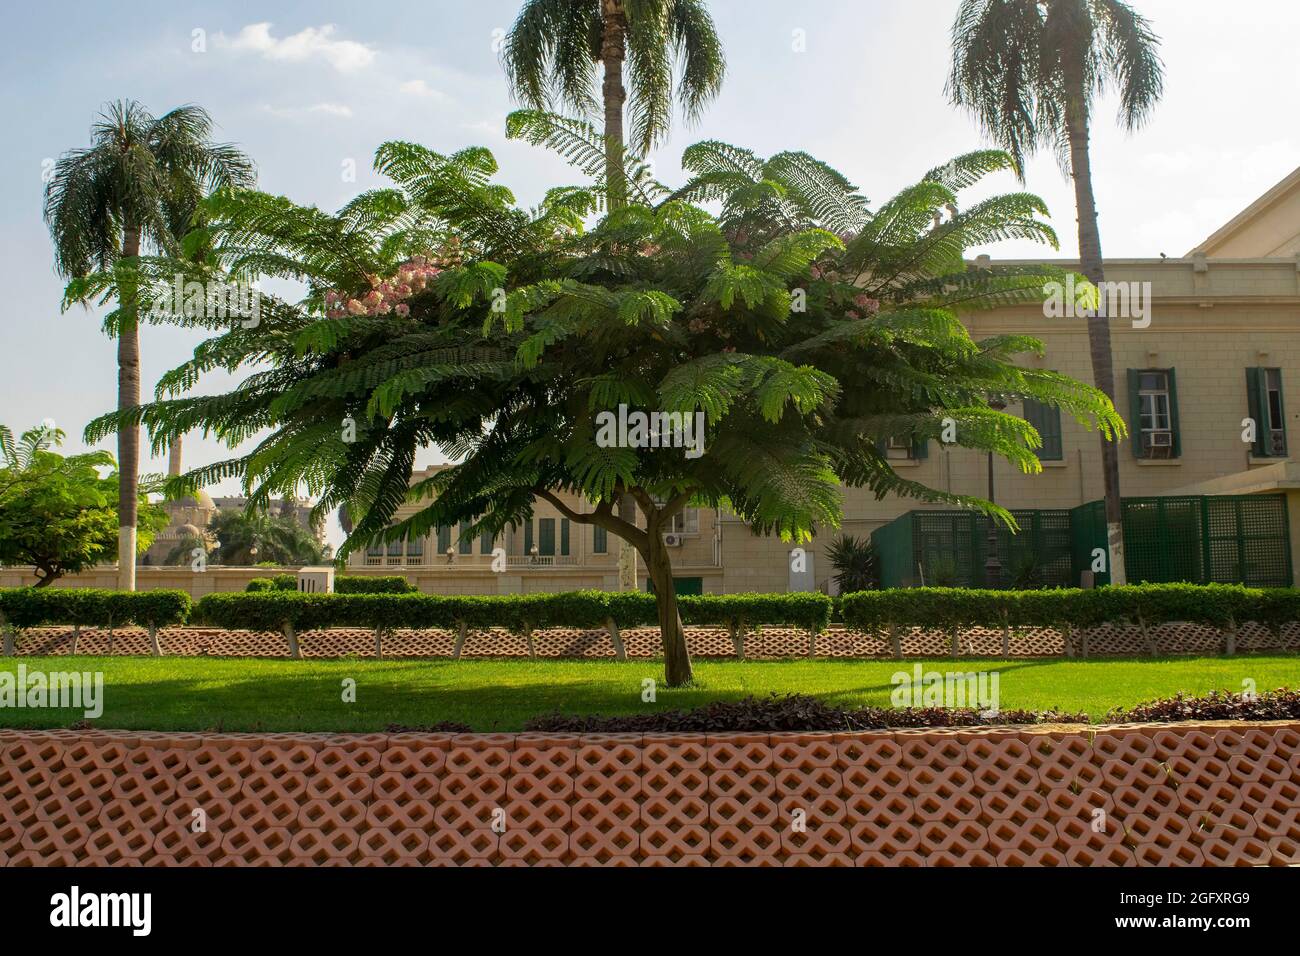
<point>137,184</point>
<point>552,50</point>
<point>1029,70</point>
<point>550,58</point>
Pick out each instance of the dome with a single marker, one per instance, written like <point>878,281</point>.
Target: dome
<point>189,531</point>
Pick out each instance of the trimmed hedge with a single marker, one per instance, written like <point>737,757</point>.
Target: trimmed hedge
<point>343,584</point>
<point>271,610</point>
<point>1219,605</point>
<point>360,584</point>
<point>92,607</point>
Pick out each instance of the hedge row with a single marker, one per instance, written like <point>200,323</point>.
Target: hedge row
<point>92,607</point>
<point>272,610</point>
<point>1218,605</point>
<point>343,584</point>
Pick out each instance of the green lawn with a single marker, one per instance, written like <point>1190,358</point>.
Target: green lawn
<point>245,694</point>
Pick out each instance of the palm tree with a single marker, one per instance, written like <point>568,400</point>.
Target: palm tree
<point>246,538</point>
<point>1029,70</point>
<point>854,562</point>
<point>551,55</point>
<point>138,183</point>
<point>552,50</point>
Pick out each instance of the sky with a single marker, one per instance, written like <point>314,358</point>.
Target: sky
<point>309,90</point>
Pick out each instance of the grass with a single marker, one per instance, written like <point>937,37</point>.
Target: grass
<point>176,693</point>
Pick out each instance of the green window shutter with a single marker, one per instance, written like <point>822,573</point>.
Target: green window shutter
<point>1281,395</point>
<point>1135,415</point>
<point>444,540</point>
<point>546,536</point>
<point>528,536</point>
<point>920,448</point>
<point>485,543</point>
<point>564,536</point>
<point>1173,413</point>
<point>466,542</point>
<point>1257,408</point>
<point>1046,419</point>
<point>599,540</point>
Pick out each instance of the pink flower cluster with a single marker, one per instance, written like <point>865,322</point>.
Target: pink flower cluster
<point>386,295</point>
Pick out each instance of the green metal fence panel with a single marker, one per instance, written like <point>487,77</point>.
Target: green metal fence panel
<point>951,548</point>
<point>892,545</point>
<point>1202,539</point>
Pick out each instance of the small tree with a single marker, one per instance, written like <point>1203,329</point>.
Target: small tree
<point>57,515</point>
<point>772,349</point>
<point>854,562</point>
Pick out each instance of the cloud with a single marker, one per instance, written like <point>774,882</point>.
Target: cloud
<point>346,56</point>
<point>330,109</point>
<point>421,88</point>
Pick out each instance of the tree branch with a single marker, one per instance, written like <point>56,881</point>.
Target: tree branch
<point>602,517</point>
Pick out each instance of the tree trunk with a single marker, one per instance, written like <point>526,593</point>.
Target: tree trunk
<point>462,632</point>
<point>1103,371</point>
<point>155,649</point>
<point>616,638</point>
<point>613,49</point>
<point>677,659</point>
<point>627,573</point>
<point>128,438</point>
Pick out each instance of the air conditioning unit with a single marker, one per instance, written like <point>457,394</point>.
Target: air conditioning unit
<point>1277,443</point>
<point>1162,439</point>
<point>673,540</point>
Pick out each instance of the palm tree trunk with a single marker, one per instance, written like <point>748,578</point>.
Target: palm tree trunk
<point>613,49</point>
<point>128,438</point>
<point>677,657</point>
<point>1103,370</point>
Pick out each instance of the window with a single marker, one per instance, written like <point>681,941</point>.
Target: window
<point>415,548</point>
<point>686,521</point>
<point>395,548</point>
<point>486,544</point>
<point>1046,419</point>
<point>444,540</point>
<point>466,542</point>
<point>1153,410</point>
<point>599,540</point>
<point>564,536</point>
<point>546,536</point>
<point>1264,397</point>
<point>903,448</point>
<point>528,537</point>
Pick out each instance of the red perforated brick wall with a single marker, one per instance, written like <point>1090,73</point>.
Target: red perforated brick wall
<point>836,641</point>
<point>1155,795</point>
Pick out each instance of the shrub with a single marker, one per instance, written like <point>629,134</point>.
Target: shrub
<point>258,585</point>
<point>359,584</point>
<point>789,712</point>
<point>93,607</point>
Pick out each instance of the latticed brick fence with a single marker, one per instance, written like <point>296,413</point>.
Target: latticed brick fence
<point>643,642</point>
<point>1153,795</point>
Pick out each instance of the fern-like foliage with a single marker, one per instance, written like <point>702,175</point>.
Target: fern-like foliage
<point>800,328</point>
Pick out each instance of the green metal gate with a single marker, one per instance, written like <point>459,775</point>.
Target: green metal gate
<point>950,549</point>
<point>1202,539</point>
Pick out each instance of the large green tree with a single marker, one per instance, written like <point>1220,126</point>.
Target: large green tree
<point>803,327</point>
<point>57,514</point>
<point>1030,70</point>
<point>138,184</point>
